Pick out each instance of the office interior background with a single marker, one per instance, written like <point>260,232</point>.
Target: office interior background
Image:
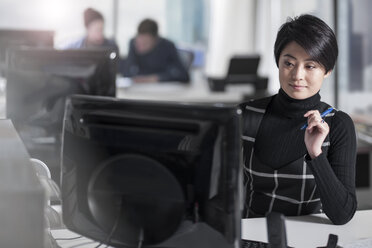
<point>215,30</point>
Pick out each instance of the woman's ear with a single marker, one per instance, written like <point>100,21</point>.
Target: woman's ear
<point>328,73</point>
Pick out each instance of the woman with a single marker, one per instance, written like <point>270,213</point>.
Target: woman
<point>94,38</point>
<point>288,167</point>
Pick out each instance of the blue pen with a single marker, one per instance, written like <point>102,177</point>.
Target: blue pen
<point>321,115</point>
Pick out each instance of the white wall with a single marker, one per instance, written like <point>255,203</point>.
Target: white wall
<point>268,21</point>
<point>231,32</point>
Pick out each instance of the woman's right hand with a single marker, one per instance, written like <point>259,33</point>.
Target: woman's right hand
<point>315,133</point>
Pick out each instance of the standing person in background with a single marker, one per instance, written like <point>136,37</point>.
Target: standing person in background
<point>94,38</point>
<point>152,58</point>
<point>299,153</point>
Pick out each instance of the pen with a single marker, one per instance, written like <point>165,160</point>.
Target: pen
<point>321,115</point>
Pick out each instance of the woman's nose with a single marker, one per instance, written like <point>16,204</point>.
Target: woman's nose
<point>298,73</point>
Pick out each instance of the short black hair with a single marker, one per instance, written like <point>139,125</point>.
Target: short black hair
<point>91,15</point>
<point>148,26</point>
<point>313,35</point>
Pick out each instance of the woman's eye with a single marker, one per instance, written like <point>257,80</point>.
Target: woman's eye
<point>310,66</point>
<point>287,63</point>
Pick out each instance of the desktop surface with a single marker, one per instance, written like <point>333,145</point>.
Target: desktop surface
<point>313,230</point>
<point>197,91</point>
<point>302,231</point>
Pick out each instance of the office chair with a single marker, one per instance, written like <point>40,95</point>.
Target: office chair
<point>187,57</point>
<point>53,193</point>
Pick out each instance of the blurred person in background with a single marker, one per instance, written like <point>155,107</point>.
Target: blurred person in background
<point>152,58</point>
<point>94,38</point>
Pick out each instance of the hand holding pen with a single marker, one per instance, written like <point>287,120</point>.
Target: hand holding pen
<point>321,115</point>
<point>316,131</point>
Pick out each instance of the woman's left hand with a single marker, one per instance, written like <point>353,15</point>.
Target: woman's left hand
<point>315,133</point>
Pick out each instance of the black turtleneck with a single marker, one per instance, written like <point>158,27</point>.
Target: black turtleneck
<point>279,138</point>
<point>280,141</point>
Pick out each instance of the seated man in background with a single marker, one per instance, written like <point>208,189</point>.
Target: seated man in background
<point>152,58</point>
<point>94,24</point>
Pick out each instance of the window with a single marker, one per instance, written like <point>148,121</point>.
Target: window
<point>355,56</point>
<point>183,21</point>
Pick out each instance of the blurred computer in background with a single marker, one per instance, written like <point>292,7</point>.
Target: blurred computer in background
<point>37,84</point>
<point>16,38</point>
<point>242,70</point>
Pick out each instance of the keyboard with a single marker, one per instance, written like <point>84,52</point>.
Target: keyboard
<point>255,244</point>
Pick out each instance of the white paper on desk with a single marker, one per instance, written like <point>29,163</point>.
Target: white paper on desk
<point>123,82</point>
<point>158,87</point>
<point>362,243</point>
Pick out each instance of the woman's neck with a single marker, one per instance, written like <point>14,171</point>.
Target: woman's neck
<point>294,108</point>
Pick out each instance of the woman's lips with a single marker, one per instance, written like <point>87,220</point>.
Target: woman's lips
<point>298,87</point>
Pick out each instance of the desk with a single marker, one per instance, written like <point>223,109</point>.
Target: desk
<point>67,238</point>
<point>313,230</point>
<point>303,231</point>
<point>196,91</point>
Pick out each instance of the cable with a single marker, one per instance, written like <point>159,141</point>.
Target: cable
<point>78,237</point>
<point>98,245</point>
<point>85,243</point>
<point>108,239</point>
<point>140,238</point>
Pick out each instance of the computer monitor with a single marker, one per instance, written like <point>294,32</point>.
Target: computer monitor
<point>243,69</point>
<point>15,38</point>
<point>243,65</point>
<point>163,174</point>
<point>37,84</point>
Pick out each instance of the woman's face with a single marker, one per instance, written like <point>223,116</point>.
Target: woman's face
<point>300,77</point>
<point>95,32</point>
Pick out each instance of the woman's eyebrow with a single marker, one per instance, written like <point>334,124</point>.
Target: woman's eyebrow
<point>293,57</point>
<point>288,55</point>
